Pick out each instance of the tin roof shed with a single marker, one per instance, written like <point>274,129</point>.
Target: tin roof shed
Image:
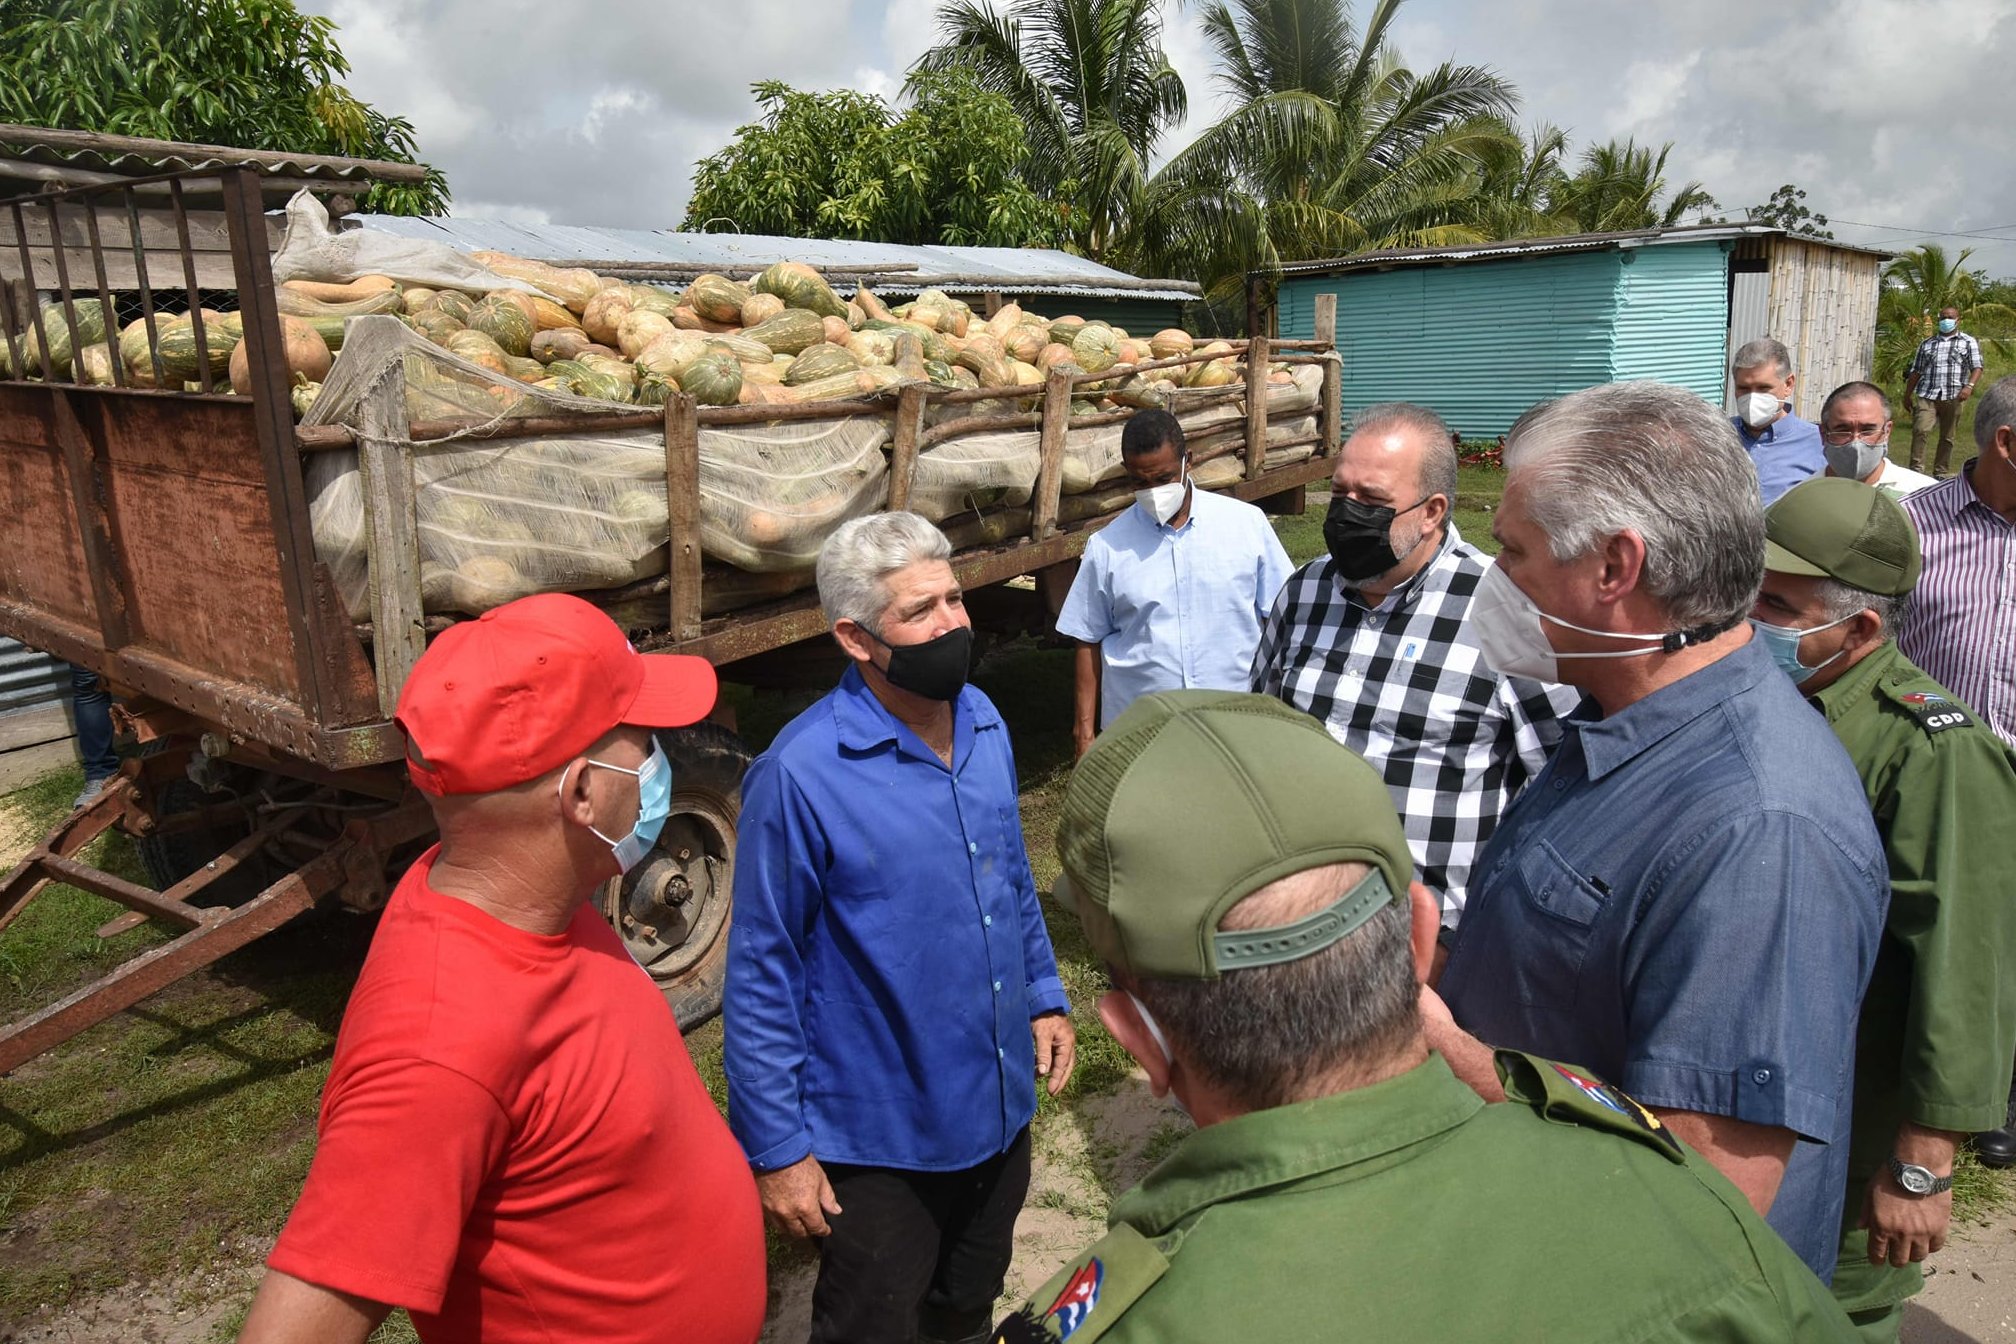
<point>1483,332</point>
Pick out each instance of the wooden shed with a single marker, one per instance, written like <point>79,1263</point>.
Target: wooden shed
<point>1481,333</point>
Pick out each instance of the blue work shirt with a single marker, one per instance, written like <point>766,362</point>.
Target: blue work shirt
<point>887,951</point>
<point>1176,608</point>
<point>1688,901</point>
<point>1786,452</point>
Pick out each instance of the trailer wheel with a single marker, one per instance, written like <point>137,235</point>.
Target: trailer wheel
<point>170,857</point>
<point>671,911</point>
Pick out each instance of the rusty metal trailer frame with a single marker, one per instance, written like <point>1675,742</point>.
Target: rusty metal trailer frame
<point>235,644</point>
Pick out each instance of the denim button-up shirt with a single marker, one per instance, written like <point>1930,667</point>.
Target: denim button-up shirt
<point>887,951</point>
<point>1688,900</point>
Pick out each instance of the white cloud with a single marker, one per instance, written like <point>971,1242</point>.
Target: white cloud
<point>1883,110</point>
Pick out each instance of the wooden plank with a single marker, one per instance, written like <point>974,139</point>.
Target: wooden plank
<point>213,269</point>
<point>1050,462</point>
<point>682,506</point>
<point>1256,406</point>
<point>904,445</point>
<point>1330,401</point>
<point>392,535</point>
<point>1326,320</point>
<point>208,231</point>
<point>83,456</point>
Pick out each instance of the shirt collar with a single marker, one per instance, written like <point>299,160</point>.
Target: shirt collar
<point>1852,687</point>
<point>864,723</point>
<point>1615,740</point>
<point>1279,1147</point>
<point>1414,587</point>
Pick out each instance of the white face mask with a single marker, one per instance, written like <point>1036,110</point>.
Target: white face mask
<point>1163,502</point>
<point>1759,409</point>
<point>1514,642</point>
<point>1161,1043</point>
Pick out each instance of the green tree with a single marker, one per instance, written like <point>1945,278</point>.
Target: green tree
<point>843,165</point>
<point>252,74</point>
<point>1916,287</point>
<point>1787,209</point>
<point>1331,146</point>
<point>1622,185</point>
<point>1522,182</point>
<point>1089,83</point>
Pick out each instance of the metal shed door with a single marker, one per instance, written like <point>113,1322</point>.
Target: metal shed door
<point>1749,308</point>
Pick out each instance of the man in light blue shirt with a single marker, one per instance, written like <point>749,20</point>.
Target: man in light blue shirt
<point>1785,449</point>
<point>1173,592</point>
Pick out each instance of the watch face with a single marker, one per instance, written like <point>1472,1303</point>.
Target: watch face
<point>1915,1179</point>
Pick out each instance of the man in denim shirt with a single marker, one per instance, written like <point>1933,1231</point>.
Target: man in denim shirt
<point>1689,898</point>
<point>891,990</point>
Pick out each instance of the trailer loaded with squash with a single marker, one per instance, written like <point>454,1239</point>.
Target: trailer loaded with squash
<point>250,514</point>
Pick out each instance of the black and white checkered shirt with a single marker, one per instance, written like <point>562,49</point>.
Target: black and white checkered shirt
<point>1940,368</point>
<point>1404,685</point>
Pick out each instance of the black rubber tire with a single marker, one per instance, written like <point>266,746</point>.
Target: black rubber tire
<point>708,762</point>
<point>170,858</point>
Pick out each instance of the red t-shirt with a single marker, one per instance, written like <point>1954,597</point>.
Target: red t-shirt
<point>514,1144</point>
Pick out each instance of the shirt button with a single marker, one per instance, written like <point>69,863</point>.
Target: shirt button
<point>1560,784</point>
<point>1762,1076</point>
<point>987,921</point>
<point>972,848</point>
<point>1000,1054</point>
<point>997,986</point>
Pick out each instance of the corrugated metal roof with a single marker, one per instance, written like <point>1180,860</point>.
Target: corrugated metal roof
<point>1574,242</point>
<point>899,267</point>
<point>132,156</point>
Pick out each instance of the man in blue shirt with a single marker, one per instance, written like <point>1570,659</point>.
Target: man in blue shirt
<point>1785,449</point>
<point>1172,593</point>
<point>891,989</point>
<point>1689,898</point>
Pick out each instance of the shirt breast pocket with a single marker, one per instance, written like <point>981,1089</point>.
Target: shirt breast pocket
<point>1562,911</point>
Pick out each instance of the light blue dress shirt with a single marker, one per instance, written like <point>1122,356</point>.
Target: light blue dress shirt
<point>1787,451</point>
<point>1175,608</point>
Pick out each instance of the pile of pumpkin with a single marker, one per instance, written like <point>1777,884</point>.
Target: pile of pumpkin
<point>783,337</point>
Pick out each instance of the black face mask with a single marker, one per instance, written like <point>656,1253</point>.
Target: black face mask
<point>935,669</point>
<point>1360,536</point>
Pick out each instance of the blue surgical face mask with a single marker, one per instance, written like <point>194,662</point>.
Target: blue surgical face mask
<point>1783,641</point>
<point>1947,326</point>
<point>654,805</point>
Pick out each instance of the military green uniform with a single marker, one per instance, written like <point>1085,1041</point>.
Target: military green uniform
<point>1939,1020</point>
<point>1410,1210</point>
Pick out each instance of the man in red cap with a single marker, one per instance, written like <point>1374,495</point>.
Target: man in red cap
<point>514,1144</point>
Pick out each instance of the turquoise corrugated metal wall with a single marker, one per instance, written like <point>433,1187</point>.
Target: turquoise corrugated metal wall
<point>1137,317</point>
<point>1482,341</point>
<point>1673,317</point>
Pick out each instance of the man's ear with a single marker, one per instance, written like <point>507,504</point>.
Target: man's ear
<point>1791,387</point>
<point>854,641</point>
<point>1623,565</point>
<point>575,804</point>
<point>1425,928</point>
<point>1123,1020</point>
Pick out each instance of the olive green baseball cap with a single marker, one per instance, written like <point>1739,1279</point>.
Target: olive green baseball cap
<point>1193,800</point>
<point>1835,528</point>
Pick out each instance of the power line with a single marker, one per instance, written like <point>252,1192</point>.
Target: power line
<point>1940,233</point>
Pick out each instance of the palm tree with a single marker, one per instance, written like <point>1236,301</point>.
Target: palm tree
<point>1521,184</point>
<point>1916,287</point>
<point>1091,86</point>
<point>1331,146</point>
<point>1620,186</point>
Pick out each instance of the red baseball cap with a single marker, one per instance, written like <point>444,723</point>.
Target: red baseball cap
<point>528,686</point>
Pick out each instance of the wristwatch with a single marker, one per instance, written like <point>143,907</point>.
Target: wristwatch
<point>1918,1180</point>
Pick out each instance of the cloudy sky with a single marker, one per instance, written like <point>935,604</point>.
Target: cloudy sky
<point>1888,112</point>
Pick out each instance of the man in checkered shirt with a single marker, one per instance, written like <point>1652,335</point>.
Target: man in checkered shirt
<point>1941,376</point>
<point>1373,640</point>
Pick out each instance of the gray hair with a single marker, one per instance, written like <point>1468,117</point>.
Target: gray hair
<point>1262,1034</point>
<point>1848,390</point>
<point>1438,459</point>
<point>862,553</point>
<point>1839,601</point>
<point>1753,354</point>
<point>1658,461</point>
<point>1995,410</point>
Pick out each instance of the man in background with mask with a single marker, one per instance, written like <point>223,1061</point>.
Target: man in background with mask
<point>1938,1024</point>
<point>1941,375</point>
<point>1855,435</point>
<point>1374,641</point>
<point>891,990</point>
<point>1265,959</point>
<point>1784,448</point>
<point>1688,900</point>
<point>514,1144</point>
<point>1171,594</point>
